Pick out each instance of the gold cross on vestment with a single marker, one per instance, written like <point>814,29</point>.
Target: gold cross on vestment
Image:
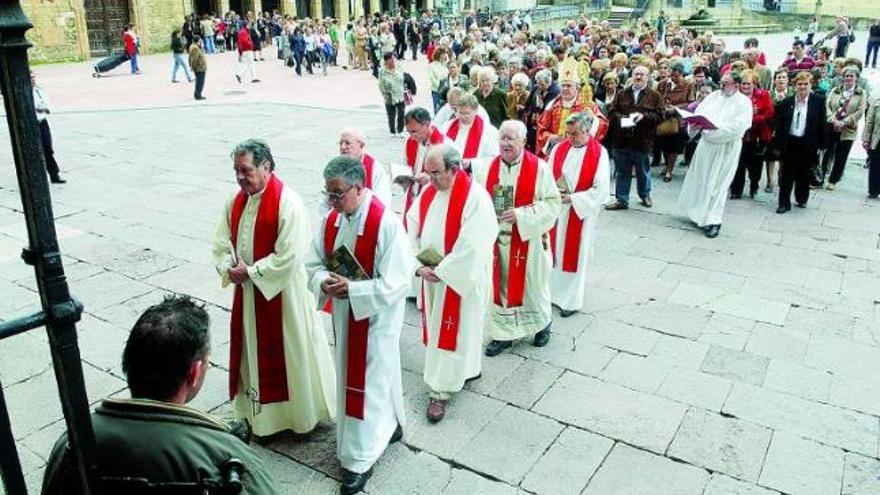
<point>519,258</point>
<point>449,323</point>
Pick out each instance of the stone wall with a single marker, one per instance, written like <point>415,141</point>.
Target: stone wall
<point>154,21</point>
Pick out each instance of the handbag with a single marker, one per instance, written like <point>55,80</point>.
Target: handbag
<point>669,127</point>
<point>407,98</point>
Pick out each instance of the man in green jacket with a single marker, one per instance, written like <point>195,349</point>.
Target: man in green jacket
<point>154,436</point>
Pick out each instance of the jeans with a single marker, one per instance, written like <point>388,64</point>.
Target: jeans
<point>298,61</point>
<point>874,172</point>
<point>395,117</point>
<point>323,58</point>
<point>200,85</point>
<point>873,47</point>
<point>624,161</point>
<point>209,44</point>
<point>134,63</point>
<point>178,63</point>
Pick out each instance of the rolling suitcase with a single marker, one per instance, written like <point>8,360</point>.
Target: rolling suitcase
<point>108,64</point>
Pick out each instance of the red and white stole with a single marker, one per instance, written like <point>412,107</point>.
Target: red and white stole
<point>475,133</point>
<point>368,161</point>
<point>449,322</point>
<point>271,367</point>
<point>412,152</point>
<point>358,330</point>
<point>571,251</point>
<point>519,249</point>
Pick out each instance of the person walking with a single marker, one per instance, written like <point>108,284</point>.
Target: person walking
<point>871,143</point>
<point>873,44</point>
<point>245,56</point>
<point>177,42</point>
<point>207,25</point>
<point>391,87</point>
<point>130,41</point>
<point>41,106</point>
<point>298,49</point>
<point>845,106</point>
<point>199,65</point>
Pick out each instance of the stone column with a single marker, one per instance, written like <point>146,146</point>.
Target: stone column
<point>258,7</point>
<point>343,15</point>
<point>223,6</point>
<point>736,10</point>
<point>316,8</point>
<point>374,6</point>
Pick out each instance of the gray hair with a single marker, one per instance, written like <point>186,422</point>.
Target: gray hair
<point>545,75</point>
<point>258,149</point>
<point>583,120</point>
<point>346,168</point>
<point>851,69</point>
<point>515,125</point>
<point>468,100</point>
<point>488,73</point>
<point>419,114</point>
<point>357,134</point>
<point>451,157</point>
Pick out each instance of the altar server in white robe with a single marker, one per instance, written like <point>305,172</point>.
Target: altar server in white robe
<point>474,135</point>
<point>583,163</point>
<point>281,375</point>
<point>452,218</point>
<point>705,188</point>
<point>367,316</point>
<point>352,143</point>
<point>522,262</point>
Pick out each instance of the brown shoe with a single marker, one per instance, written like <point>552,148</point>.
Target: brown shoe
<point>616,205</point>
<point>436,410</point>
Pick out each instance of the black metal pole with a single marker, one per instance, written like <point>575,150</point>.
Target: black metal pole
<point>10,466</point>
<point>61,311</point>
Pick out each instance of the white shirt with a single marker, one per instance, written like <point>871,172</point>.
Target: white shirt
<point>799,119</point>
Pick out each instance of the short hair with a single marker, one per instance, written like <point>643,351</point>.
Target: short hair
<point>164,342</point>
<point>699,69</point>
<point>455,91</point>
<point>584,120</point>
<point>489,74</point>
<point>797,43</point>
<point>803,76</point>
<point>387,56</point>
<point>677,66</point>
<point>419,114</point>
<point>850,69</point>
<point>749,75</point>
<point>516,125</point>
<point>258,149</point>
<point>451,156</point>
<point>438,53</point>
<point>520,78</point>
<point>468,100</point>
<point>355,133</point>
<point>735,75</point>
<point>347,168</point>
<point>545,75</point>
<point>611,76</point>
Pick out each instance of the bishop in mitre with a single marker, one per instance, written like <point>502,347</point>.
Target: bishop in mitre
<point>580,167</point>
<point>527,203</point>
<point>474,135</point>
<point>281,374</point>
<point>452,229</point>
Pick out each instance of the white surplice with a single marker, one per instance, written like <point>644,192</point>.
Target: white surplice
<point>447,113</point>
<point>567,288</point>
<point>381,187</point>
<point>488,149</point>
<point>705,188</point>
<point>468,270</point>
<point>310,372</point>
<point>534,222</point>
<point>360,443</point>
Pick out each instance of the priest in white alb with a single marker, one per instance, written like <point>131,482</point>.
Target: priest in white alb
<point>580,167</point>
<point>527,203</point>
<point>474,135</point>
<point>367,314</point>
<point>452,229</point>
<point>352,143</point>
<point>422,135</point>
<point>447,112</point>
<point>705,188</point>
<point>281,375</point>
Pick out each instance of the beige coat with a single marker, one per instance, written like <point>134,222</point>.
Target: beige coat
<point>871,132</point>
<point>854,110</point>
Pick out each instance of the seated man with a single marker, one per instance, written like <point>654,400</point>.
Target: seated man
<point>154,436</point>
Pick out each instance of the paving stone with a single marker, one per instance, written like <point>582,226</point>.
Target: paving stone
<point>724,485</point>
<point>602,299</point>
<point>572,326</point>
<point>32,357</point>
<point>316,449</point>
<point>569,463</point>
<point>695,388</point>
<point>820,422</point>
<point>861,475</point>
<point>857,393</point>
<point>464,482</point>
<point>292,477</point>
<point>700,279</point>
<point>636,372</point>
<point>620,336</point>
<point>796,379</point>
<point>582,357</point>
<point>507,457</point>
<point>680,352</point>
<point>640,419</point>
<point>495,370</point>
<point>840,355</point>
<point>800,467</point>
<point>197,280</point>
<point>727,445</point>
<point>671,319</point>
<point>107,289</point>
<point>629,471</point>
<point>776,342</point>
<point>528,382</point>
<point>401,470</point>
<point>738,366</point>
<point>744,306</point>
<point>728,331</point>
<point>696,295</point>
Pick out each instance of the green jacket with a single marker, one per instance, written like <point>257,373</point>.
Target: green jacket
<point>161,442</point>
<point>495,105</point>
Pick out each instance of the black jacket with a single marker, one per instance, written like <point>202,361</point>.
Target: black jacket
<point>814,132</point>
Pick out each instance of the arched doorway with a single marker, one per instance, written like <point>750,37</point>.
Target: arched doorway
<point>303,9</point>
<point>105,22</point>
<point>271,6</point>
<point>328,8</point>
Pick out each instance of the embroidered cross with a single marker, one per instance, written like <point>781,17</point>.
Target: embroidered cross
<point>519,258</point>
<point>449,323</point>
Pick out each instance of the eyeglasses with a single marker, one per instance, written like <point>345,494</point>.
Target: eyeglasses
<point>336,196</point>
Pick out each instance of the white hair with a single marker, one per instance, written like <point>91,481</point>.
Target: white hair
<point>355,133</point>
<point>487,73</point>
<point>517,126</point>
<point>520,78</point>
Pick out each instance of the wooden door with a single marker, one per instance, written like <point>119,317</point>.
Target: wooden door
<point>105,22</point>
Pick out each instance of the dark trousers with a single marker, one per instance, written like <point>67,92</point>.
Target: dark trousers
<point>797,160</point>
<point>395,117</point>
<point>400,49</point>
<point>415,49</point>
<point>200,84</point>
<point>48,151</point>
<point>842,45</point>
<point>298,62</point>
<point>838,150</point>
<point>749,161</point>
<point>873,47</point>
<point>625,160</point>
<point>874,172</point>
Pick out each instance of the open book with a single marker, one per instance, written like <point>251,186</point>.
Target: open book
<point>694,119</point>
<point>402,175</point>
<point>429,257</point>
<point>562,185</point>
<point>342,262</point>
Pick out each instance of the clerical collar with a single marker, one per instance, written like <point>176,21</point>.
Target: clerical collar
<point>514,163</point>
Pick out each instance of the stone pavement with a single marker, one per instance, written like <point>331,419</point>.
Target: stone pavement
<point>739,365</point>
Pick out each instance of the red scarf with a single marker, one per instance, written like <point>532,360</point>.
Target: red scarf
<point>368,161</point>
<point>571,251</point>
<point>412,151</point>
<point>358,330</point>
<point>519,249</point>
<point>271,367</point>
<point>449,322</point>
<point>472,145</point>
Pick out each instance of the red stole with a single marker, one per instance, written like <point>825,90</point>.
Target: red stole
<point>368,161</point>
<point>519,249</point>
<point>475,133</point>
<point>571,251</point>
<point>358,330</point>
<point>412,151</point>
<point>271,367</point>
<point>449,322</point>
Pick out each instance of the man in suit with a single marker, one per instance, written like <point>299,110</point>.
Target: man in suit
<point>800,128</point>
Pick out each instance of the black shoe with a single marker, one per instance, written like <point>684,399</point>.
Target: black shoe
<point>201,98</point>
<point>752,194</point>
<point>712,231</point>
<point>736,196</point>
<point>565,313</point>
<point>783,209</point>
<point>56,179</point>
<point>238,78</point>
<point>397,435</point>
<point>354,482</point>
<point>875,195</point>
<point>496,346</point>
<point>474,378</point>
<point>801,205</point>
<point>542,337</point>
